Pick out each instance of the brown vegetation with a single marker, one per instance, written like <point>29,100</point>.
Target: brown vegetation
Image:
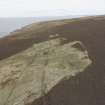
<point>87,88</point>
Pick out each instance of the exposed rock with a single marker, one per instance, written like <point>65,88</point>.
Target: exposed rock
<point>33,72</point>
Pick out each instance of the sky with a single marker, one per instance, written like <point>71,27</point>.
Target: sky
<point>36,8</point>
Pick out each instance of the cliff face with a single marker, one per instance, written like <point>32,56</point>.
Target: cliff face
<point>32,73</point>
<point>54,63</point>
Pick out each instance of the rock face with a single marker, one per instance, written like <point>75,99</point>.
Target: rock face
<point>33,72</point>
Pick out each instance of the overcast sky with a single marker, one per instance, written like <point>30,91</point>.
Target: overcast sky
<point>20,8</point>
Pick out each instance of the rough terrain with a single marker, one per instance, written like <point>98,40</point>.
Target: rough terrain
<point>63,59</point>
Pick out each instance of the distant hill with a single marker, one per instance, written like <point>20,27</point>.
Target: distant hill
<point>11,24</point>
<point>58,62</point>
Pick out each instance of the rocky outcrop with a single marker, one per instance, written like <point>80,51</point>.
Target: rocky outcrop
<point>33,72</point>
